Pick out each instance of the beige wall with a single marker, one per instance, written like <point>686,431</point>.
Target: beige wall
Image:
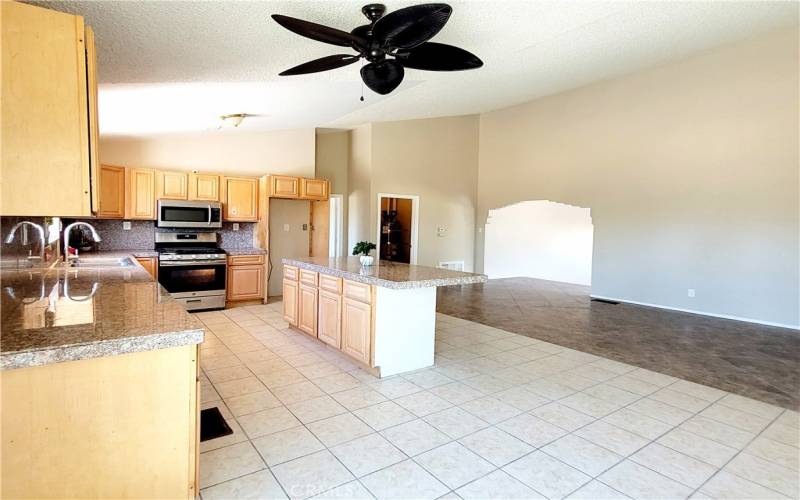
<point>690,171</point>
<point>333,152</point>
<point>359,170</point>
<point>229,152</point>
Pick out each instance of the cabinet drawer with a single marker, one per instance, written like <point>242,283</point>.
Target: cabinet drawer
<point>357,291</point>
<point>244,260</point>
<point>330,283</point>
<point>308,277</point>
<point>290,273</point>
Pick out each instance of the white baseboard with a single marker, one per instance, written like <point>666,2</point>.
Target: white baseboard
<point>702,313</point>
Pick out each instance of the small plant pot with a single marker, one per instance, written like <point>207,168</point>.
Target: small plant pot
<point>367,260</point>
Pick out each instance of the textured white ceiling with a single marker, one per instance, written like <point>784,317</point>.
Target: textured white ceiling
<point>175,66</point>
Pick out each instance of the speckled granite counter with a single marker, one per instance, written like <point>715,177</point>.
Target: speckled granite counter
<point>50,315</point>
<point>386,274</point>
<point>245,251</point>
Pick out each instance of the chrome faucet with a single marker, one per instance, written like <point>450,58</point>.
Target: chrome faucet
<point>40,229</point>
<point>95,236</point>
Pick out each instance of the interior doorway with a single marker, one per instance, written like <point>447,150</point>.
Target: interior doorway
<point>336,224</point>
<point>540,239</point>
<point>398,218</point>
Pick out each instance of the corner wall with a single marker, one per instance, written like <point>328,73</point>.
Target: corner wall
<point>690,171</point>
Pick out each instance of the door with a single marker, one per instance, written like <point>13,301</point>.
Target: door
<point>284,186</point>
<point>111,192</point>
<point>329,322</point>
<point>173,186</point>
<point>307,311</point>
<point>356,329</point>
<point>141,195</point>
<point>246,282</point>
<point>241,199</point>
<point>396,229</point>
<point>320,229</point>
<point>290,289</point>
<point>191,277</point>
<point>204,187</point>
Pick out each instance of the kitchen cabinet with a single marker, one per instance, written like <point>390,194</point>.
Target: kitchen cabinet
<point>290,291</point>
<point>203,187</point>
<point>140,196</point>
<point>240,199</point>
<point>123,426</point>
<point>329,327</point>
<point>150,264</point>
<point>307,309</point>
<point>173,185</point>
<point>284,186</point>
<point>112,192</point>
<point>356,329</point>
<point>246,282</point>
<point>48,161</point>
<point>313,189</point>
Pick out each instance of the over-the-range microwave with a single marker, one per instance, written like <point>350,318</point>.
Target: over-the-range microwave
<point>198,214</point>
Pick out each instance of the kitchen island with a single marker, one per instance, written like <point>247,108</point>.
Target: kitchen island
<point>99,376</point>
<point>383,316</point>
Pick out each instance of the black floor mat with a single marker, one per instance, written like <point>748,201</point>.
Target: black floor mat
<point>213,424</point>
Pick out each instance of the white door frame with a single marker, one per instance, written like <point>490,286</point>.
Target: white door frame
<point>414,222</point>
<point>336,235</point>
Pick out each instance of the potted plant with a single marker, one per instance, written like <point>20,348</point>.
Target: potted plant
<point>363,248</point>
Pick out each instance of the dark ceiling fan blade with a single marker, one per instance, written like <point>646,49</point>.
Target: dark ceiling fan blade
<point>383,77</point>
<point>408,27</point>
<point>319,32</point>
<point>321,64</point>
<point>434,56</point>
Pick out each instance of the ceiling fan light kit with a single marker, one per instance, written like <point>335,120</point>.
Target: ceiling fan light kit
<point>390,43</point>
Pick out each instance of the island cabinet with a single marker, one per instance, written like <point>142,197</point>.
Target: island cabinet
<point>338,312</point>
<point>245,278</point>
<point>49,113</point>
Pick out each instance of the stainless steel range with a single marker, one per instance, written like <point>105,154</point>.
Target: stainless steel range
<point>192,268</point>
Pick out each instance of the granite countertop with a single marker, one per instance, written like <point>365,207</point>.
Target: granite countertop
<point>386,274</point>
<point>245,251</point>
<point>109,254</point>
<point>56,314</point>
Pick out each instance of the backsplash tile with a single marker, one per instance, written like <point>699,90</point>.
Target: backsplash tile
<point>15,254</point>
<point>243,238</point>
<point>139,237</point>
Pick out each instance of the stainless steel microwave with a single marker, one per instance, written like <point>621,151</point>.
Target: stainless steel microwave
<point>198,214</point>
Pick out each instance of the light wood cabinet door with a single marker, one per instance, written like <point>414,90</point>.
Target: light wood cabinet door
<point>290,292</point>
<point>356,329</point>
<point>307,311</point>
<point>140,198</point>
<point>111,192</point>
<point>94,124</point>
<point>284,186</point>
<point>245,282</point>
<point>241,199</point>
<point>45,160</point>
<point>329,321</point>
<point>150,264</point>
<point>204,187</point>
<point>314,189</point>
<point>173,185</point>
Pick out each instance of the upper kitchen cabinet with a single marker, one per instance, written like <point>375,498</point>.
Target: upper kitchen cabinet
<point>204,187</point>
<point>284,186</point>
<point>240,199</point>
<point>313,189</point>
<point>173,185</point>
<point>49,113</point>
<point>112,192</point>
<point>140,202</point>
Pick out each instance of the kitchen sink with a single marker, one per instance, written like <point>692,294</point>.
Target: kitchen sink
<point>100,262</point>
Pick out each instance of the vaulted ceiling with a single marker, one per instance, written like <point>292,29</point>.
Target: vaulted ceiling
<point>176,66</point>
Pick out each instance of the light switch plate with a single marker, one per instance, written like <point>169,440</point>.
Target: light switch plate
<point>286,227</point>
<point>126,225</point>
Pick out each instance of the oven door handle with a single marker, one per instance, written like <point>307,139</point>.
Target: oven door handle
<point>195,263</point>
<point>209,214</point>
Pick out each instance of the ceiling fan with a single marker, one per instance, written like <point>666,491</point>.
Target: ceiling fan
<point>389,43</point>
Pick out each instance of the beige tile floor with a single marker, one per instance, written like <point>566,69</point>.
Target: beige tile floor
<point>500,415</point>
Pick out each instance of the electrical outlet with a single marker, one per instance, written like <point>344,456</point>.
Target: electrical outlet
<point>235,226</point>
<point>305,227</point>
<point>126,225</point>
<point>286,227</point>
<point>690,292</point>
